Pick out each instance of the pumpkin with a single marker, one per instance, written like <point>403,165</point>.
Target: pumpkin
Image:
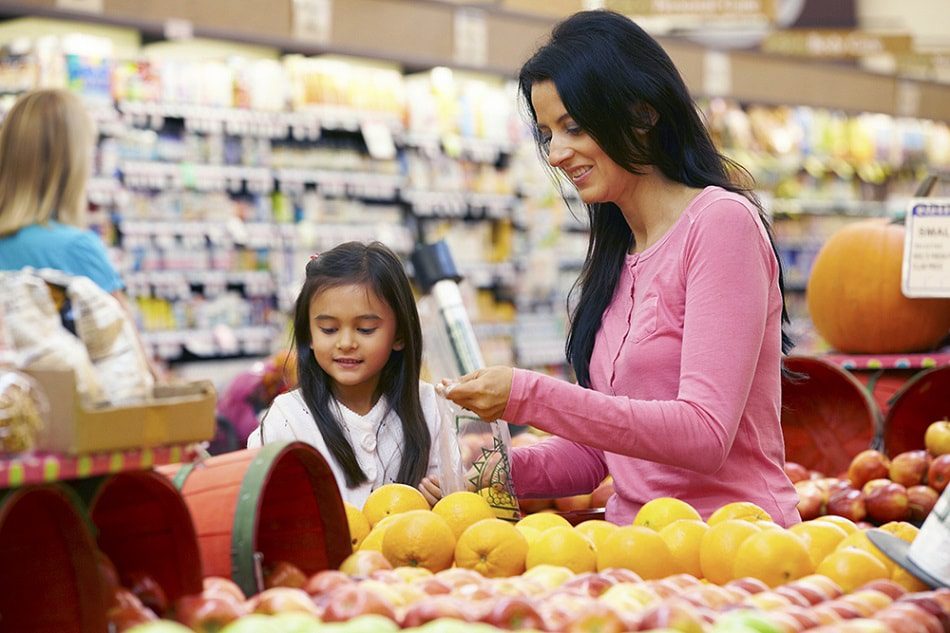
<point>854,294</point>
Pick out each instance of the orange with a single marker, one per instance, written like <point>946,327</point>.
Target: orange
<point>718,548</point>
<point>419,538</point>
<point>529,533</point>
<point>683,538</point>
<point>907,581</point>
<point>845,524</point>
<point>852,568</point>
<point>859,540</point>
<point>359,526</point>
<point>492,547</point>
<point>564,547</point>
<point>374,540</point>
<point>773,556</point>
<point>744,510</point>
<point>392,499</point>
<point>502,503</point>
<point>462,509</point>
<point>820,537</point>
<point>638,549</point>
<point>658,513</point>
<point>902,530</point>
<point>596,531</point>
<point>544,521</point>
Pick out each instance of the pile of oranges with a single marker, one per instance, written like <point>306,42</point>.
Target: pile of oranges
<point>667,537</point>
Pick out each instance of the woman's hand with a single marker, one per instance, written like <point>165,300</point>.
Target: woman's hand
<point>431,489</point>
<point>484,392</point>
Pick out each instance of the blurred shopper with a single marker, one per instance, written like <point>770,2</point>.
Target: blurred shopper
<point>46,148</point>
<point>676,338</point>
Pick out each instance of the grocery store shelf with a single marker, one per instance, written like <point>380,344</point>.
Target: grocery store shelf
<point>44,467</point>
<point>219,341</point>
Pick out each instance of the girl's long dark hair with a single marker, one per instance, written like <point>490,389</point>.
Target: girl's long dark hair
<point>621,87</point>
<point>379,269</point>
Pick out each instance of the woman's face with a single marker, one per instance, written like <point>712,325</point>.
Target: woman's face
<point>572,150</point>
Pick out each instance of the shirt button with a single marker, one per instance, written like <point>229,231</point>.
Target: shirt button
<point>368,443</point>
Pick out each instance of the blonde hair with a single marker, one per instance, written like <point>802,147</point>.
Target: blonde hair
<point>45,154</point>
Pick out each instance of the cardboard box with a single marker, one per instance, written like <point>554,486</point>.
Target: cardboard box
<point>176,414</point>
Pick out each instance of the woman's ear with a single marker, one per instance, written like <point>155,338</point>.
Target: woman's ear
<point>645,113</point>
<point>398,345</point>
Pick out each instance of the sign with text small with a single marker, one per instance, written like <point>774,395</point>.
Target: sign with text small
<point>834,43</point>
<point>312,20</point>
<point>471,37</point>
<point>85,6</point>
<point>706,8</point>
<point>926,265</point>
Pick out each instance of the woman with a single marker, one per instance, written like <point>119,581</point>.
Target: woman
<point>676,339</point>
<point>46,149</point>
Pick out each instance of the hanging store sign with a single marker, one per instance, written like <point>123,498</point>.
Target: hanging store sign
<point>312,20</point>
<point>926,265</point>
<point>757,9</point>
<point>471,37</point>
<point>832,43</point>
<point>85,6</point>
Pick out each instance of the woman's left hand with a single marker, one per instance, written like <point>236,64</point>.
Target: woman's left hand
<point>484,392</point>
<point>431,489</point>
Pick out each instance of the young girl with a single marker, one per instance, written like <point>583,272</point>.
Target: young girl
<point>359,400</point>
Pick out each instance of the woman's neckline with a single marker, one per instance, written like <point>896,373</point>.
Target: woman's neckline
<point>634,257</point>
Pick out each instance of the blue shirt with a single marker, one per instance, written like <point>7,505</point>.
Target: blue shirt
<point>61,247</point>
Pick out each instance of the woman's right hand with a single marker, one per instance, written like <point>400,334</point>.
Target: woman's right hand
<point>484,392</point>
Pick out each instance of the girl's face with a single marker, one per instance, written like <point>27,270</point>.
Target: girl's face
<point>352,333</point>
<point>572,150</point>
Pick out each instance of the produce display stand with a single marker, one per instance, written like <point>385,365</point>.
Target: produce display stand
<point>46,467</point>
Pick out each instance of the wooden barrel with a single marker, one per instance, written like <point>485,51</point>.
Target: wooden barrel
<point>49,581</point>
<point>143,525</point>
<point>827,416</point>
<point>925,398</point>
<point>280,500</point>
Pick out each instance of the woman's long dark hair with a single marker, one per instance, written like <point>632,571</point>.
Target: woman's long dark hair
<point>379,269</point>
<point>617,82</point>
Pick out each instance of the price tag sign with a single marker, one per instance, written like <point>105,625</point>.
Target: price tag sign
<point>379,140</point>
<point>926,265</point>
<point>86,6</point>
<point>312,20</point>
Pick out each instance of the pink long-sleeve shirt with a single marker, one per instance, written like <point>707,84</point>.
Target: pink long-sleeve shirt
<point>685,377</point>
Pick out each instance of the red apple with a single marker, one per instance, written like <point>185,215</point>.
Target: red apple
<point>939,473</point>
<point>590,584</point>
<point>281,600</point>
<point>207,614</point>
<point>906,617</point>
<point>602,493</point>
<point>781,621</point>
<point>811,500</point>
<point>349,601</point>
<point>887,503</point>
<point>122,617</point>
<point>619,574</point>
<point>513,612</point>
<point>433,586</point>
<point>147,589</point>
<point>926,601</point>
<point>362,563</point>
<point>284,574</point>
<point>572,504</point>
<point>428,609</point>
<point>921,500</point>
<point>323,582</point>
<point>885,586</point>
<point>794,595</point>
<point>868,465</point>
<point>937,438</point>
<point>868,601</point>
<point>222,587</point>
<point>680,582</point>
<point>910,468</point>
<point>796,472</point>
<point>872,485</point>
<point>803,615</point>
<point>823,584</point>
<point>844,610</point>
<point>108,576</point>
<point>848,503</point>
<point>751,585</point>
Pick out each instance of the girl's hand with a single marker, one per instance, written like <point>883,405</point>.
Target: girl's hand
<point>484,392</point>
<point>430,489</point>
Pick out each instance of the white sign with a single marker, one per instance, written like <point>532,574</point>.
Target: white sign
<point>86,6</point>
<point>717,74</point>
<point>471,37</point>
<point>926,265</point>
<point>379,140</point>
<point>312,19</point>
